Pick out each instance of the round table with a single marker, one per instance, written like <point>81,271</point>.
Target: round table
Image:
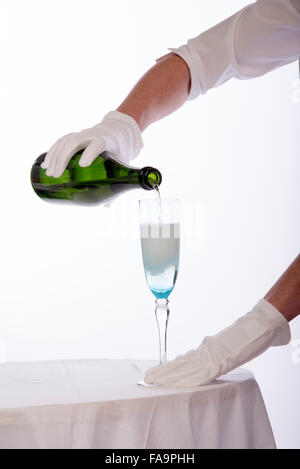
<point>87,404</point>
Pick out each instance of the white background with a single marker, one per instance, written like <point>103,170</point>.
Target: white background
<point>72,281</point>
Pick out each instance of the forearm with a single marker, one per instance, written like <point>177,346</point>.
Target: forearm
<point>161,91</point>
<point>285,293</point>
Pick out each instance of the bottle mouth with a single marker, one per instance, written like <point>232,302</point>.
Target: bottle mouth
<point>150,178</point>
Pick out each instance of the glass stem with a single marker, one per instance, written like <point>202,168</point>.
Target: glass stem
<point>162,317</point>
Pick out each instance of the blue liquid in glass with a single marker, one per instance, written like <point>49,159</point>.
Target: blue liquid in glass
<point>161,260</point>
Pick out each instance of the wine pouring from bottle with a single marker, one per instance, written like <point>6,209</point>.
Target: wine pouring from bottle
<point>98,183</point>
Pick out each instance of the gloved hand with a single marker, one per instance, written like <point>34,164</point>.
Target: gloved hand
<point>244,340</point>
<point>118,134</point>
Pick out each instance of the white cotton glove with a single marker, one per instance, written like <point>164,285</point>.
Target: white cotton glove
<point>244,340</point>
<point>118,134</point>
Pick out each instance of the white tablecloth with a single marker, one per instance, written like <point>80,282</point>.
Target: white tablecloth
<point>97,404</point>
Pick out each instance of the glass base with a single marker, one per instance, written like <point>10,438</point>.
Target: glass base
<point>142,383</point>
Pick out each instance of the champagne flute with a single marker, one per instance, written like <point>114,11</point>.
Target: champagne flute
<point>160,241</point>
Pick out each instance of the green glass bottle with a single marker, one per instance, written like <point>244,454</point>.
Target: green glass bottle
<point>100,182</point>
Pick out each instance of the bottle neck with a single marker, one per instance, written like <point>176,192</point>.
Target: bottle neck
<point>149,178</point>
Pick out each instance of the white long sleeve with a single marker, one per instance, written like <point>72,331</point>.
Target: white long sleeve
<point>261,37</point>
